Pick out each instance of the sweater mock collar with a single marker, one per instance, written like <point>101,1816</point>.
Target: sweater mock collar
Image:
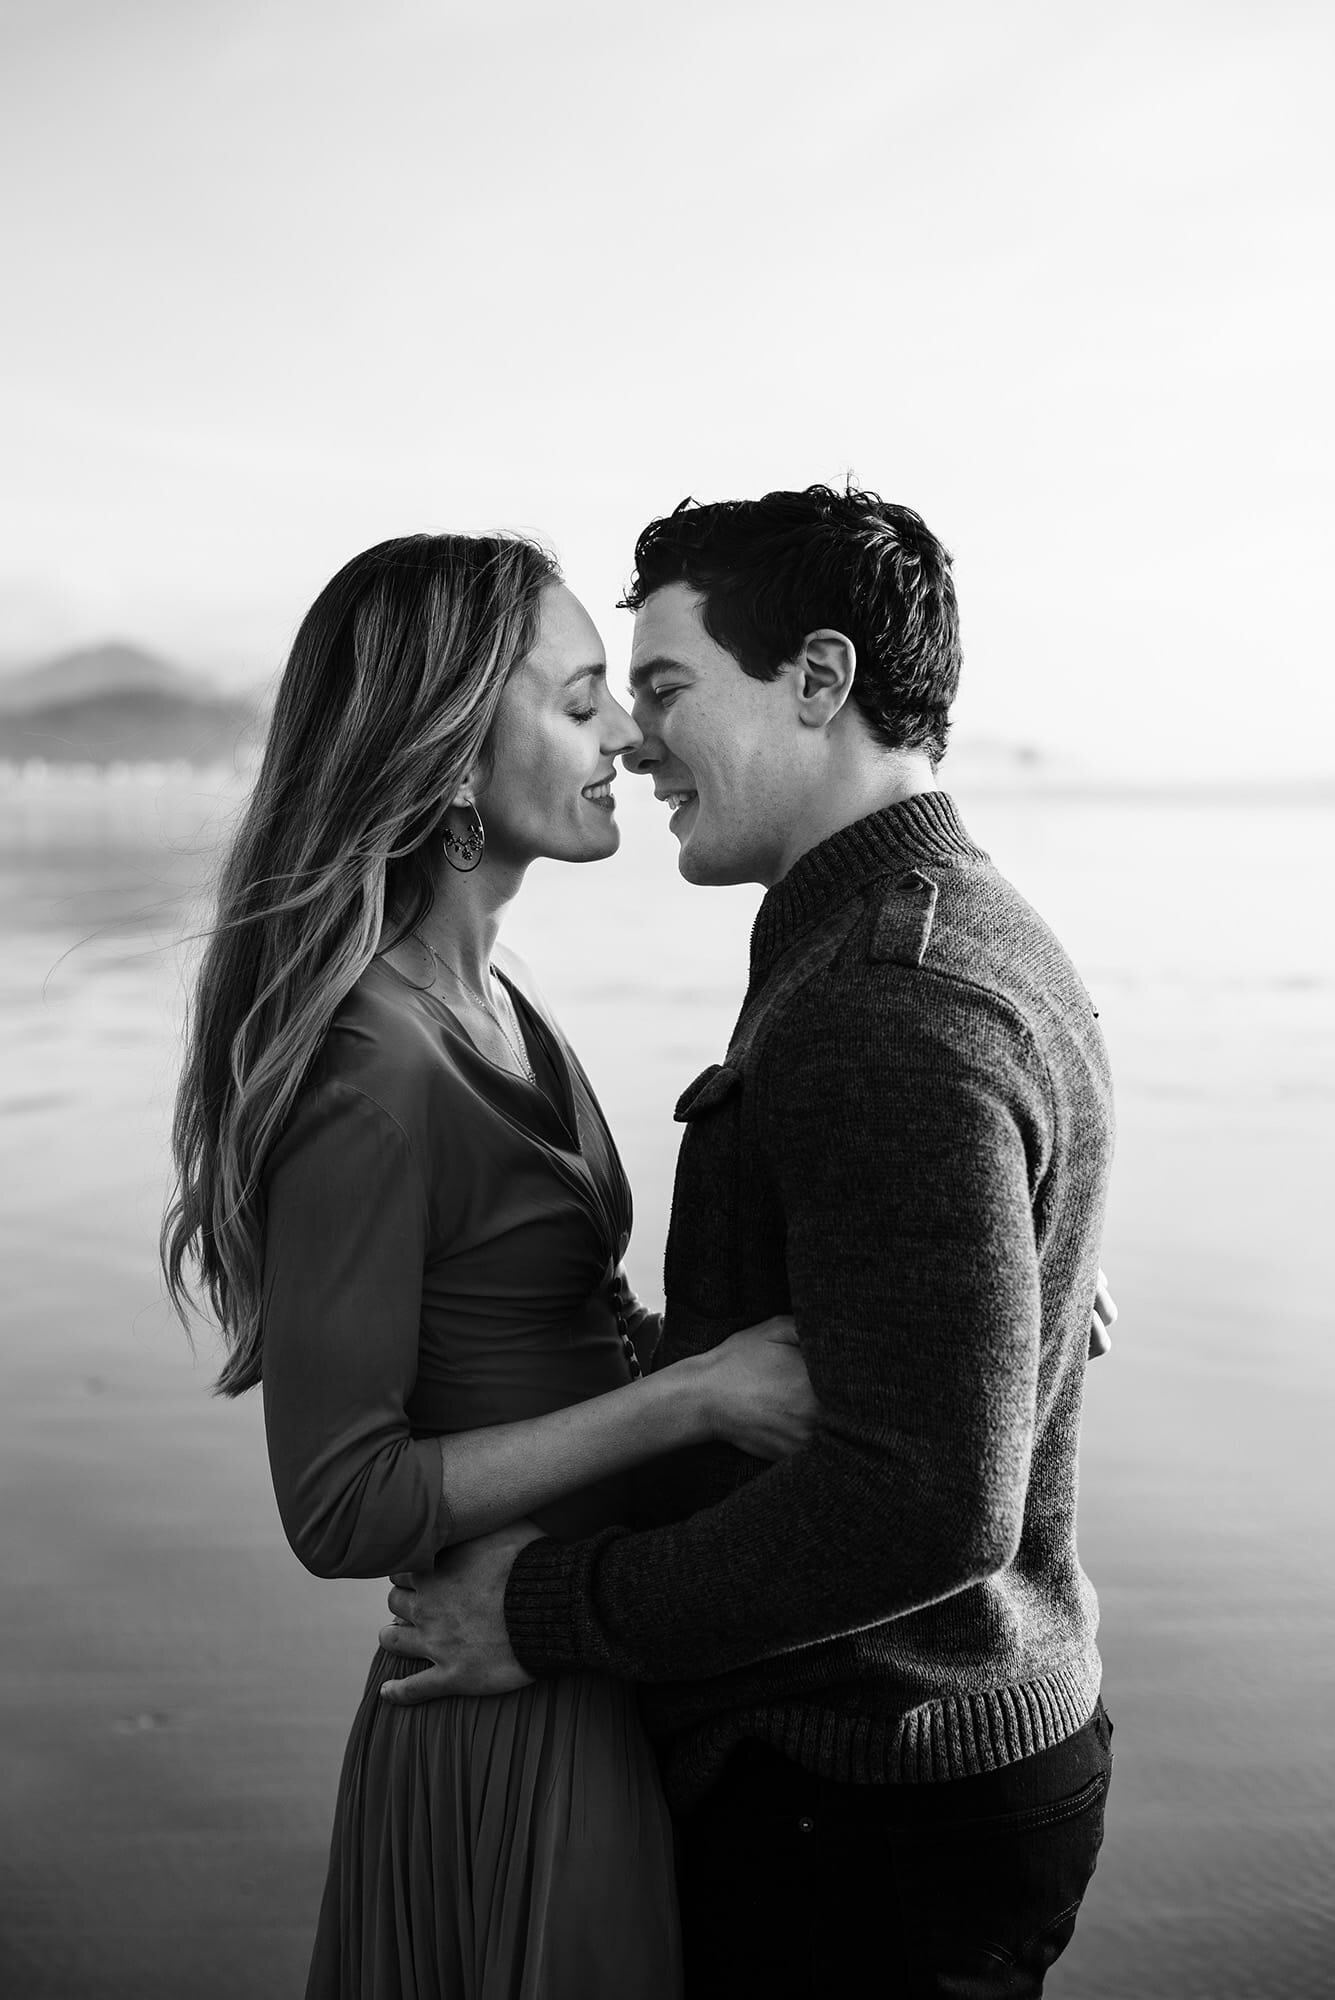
<point>923,828</point>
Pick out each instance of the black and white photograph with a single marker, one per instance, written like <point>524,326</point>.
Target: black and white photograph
<point>667,1000</point>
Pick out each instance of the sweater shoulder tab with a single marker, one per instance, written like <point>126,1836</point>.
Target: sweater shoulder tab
<point>903,925</point>
<point>711,1087</point>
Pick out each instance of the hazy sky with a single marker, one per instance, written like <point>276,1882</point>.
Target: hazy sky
<point>289,276</point>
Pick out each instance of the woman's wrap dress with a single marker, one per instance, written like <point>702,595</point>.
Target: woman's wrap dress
<point>442,1251</point>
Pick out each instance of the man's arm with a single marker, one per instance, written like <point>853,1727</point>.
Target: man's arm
<point>905,1178</point>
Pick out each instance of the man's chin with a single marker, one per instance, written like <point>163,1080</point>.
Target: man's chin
<point>703,870</point>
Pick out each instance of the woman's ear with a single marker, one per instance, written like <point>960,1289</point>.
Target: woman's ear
<point>466,791</point>
<point>825,668</point>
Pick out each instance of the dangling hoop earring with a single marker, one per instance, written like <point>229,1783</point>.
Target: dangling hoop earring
<point>469,849</point>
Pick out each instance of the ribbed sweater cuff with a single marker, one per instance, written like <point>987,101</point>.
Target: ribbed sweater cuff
<point>539,1609</point>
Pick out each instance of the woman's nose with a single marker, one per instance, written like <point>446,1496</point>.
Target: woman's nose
<point>622,737</point>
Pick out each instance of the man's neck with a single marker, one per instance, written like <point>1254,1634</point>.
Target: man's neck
<point>865,788</point>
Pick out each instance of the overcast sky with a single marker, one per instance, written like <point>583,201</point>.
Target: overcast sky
<point>289,276</point>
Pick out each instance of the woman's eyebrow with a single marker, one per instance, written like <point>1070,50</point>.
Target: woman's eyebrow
<point>595,672</point>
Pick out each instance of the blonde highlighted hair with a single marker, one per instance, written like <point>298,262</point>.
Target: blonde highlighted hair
<point>389,697</point>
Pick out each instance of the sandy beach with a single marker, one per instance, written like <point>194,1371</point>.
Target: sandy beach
<point>175,1690</point>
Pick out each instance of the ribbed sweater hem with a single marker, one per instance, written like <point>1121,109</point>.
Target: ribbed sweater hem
<point>957,1736</point>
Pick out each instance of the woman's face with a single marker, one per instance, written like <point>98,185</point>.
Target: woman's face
<point>549,787</point>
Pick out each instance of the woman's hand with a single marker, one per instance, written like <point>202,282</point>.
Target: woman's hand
<point>758,1391</point>
<point>1100,1327</point>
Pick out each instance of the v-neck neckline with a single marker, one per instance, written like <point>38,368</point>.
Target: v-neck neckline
<point>534,1025</point>
<point>568,1124</point>
<point>563,1114</point>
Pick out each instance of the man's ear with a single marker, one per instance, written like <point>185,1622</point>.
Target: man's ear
<point>825,667</point>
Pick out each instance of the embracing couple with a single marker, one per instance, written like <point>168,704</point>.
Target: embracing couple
<point>745,1652</point>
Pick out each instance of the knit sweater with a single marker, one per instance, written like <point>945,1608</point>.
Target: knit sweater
<point>907,1147</point>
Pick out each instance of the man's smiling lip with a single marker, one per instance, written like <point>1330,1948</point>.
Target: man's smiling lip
<point>680,802</point>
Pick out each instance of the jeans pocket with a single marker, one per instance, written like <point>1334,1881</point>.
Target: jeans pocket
<point>995,1900</point>
<point>1028,1819</point>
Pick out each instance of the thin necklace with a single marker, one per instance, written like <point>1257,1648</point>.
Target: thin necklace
<point>516,1046</point>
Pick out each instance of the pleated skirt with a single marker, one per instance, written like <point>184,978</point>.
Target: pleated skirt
<point>499,1847</point>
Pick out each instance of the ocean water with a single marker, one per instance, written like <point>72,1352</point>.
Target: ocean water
<point>174,1691</point>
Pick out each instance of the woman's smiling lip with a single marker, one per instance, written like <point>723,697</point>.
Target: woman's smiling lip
<point>600,794</point>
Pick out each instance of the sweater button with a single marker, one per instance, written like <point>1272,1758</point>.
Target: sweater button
<point>806,1825</point>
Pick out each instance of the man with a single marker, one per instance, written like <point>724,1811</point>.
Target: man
<point>872,1665</point>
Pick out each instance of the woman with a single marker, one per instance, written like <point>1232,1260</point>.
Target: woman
<point>410,1218</point>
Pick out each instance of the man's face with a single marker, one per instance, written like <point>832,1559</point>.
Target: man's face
<point>723,749</point>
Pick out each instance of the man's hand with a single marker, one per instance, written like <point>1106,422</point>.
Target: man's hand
<point>1105,1312</point>
<point>454,1616</point>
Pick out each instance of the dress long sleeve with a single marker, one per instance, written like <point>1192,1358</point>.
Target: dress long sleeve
<point>345,1245</point>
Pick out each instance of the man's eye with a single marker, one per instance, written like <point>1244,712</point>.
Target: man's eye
<point>663,695</point>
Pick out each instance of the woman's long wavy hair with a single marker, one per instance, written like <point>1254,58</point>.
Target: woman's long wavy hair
<point>388,699</point>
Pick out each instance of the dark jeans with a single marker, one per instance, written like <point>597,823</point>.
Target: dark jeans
<point>796,1888</point>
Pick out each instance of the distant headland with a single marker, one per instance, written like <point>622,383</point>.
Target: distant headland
<point>117,704</point>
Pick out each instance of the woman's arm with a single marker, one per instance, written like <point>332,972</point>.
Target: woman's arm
<point>345,1245</point>
<point>751,1391</point>
<point>345,1242</point>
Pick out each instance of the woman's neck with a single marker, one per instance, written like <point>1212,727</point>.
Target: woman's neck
<point>464,922</point>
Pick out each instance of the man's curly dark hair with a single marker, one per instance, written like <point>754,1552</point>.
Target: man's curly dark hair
<point>772,570</point>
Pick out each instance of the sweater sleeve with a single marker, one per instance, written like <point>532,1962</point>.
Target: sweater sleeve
<point>345,1245</point>
<point>903,1142</point>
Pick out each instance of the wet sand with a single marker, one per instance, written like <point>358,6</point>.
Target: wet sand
<point>174,1689</point>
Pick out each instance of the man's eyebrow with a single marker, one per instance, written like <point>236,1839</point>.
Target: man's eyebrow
<point>595,672</point>
<point>643,670</point>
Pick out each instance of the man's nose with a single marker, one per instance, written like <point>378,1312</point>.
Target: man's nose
<point>641,757</point>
